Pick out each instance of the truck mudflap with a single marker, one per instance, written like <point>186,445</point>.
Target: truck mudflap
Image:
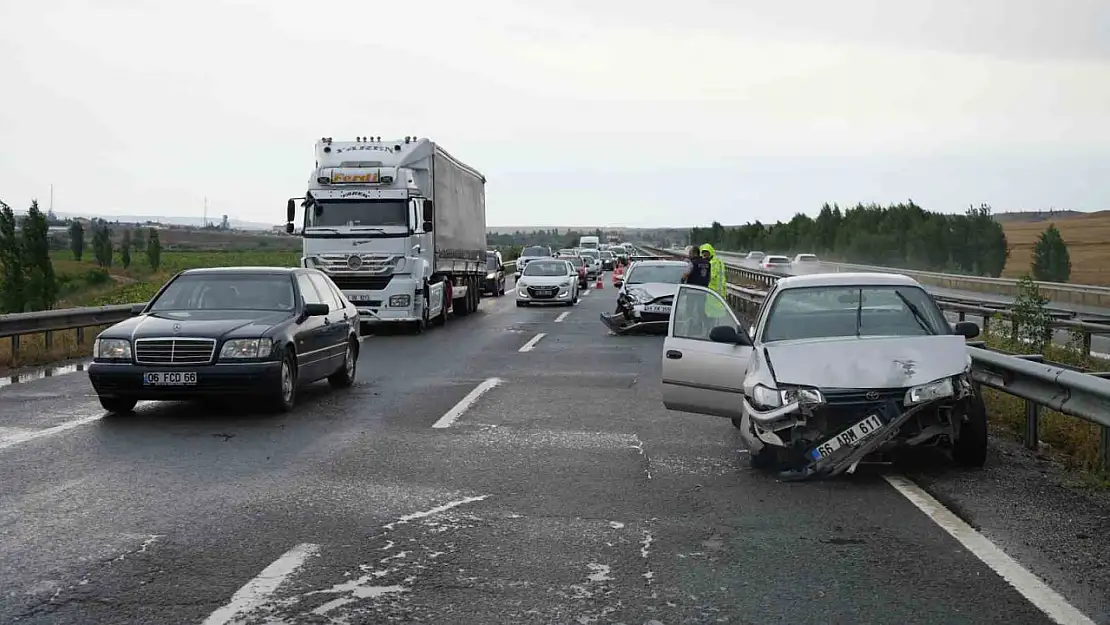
<point>618,324</point>
<point>849,455</point>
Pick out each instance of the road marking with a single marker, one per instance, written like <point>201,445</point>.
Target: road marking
<point>436,510</point>
<point>252,595</point>
<point>584,293</point>
<point>465,403</point>
<point>530,345</point>
<point>17,436</point>
<point>1029,585</point>
<point>561,316</point>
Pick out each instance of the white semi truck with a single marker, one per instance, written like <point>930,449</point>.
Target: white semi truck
<point>399,226</point>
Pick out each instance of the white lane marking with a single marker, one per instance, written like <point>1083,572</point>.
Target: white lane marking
<point>436,510</point>
<point>1030,586</point>
<point>465,403</point>
<point>561,316</point>
<point>584,293</point>
<point>19,436</point>
<point>255,592</point>
<point>530,345</point>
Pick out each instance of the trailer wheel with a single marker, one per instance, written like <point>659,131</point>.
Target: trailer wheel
<point>464,306</point>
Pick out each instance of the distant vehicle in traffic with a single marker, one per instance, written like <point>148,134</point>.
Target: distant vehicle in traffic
<point>548,281</point>
<point>589,243</point>
<point>802,259</point>
<point>494,282</point>
<point>646,295</point>
<point>568,251</point>
<point>593,262</point>
<point>579,265</point>
<point>530,253</point>
<point>755,256</point>
<point>839,368</point>
<point>774,262</point>
<point>608,260</point>
<point>251,331</point>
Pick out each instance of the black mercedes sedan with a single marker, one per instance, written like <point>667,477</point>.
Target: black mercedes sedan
<point>229,331</point>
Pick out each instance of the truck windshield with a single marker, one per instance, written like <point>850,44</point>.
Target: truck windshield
<point>353,213</point>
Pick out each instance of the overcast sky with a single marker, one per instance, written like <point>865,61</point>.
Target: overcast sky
<point>585,112</point>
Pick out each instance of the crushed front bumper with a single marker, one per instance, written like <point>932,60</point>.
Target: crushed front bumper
<point>619,324</point>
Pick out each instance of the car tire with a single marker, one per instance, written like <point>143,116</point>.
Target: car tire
<point>285,395</point>
<point>118,405</point>
<point>970,449</point>
<point>345,377</point>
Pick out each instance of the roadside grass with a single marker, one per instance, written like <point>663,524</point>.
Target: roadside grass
<point>83,283</point>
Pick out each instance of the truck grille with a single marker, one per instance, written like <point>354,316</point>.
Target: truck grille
<point>361,283</point>
<point>174,351</point>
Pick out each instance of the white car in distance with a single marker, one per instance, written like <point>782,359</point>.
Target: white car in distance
<point>775,262</point>
<point>806,259</point>
<point>547,281</point>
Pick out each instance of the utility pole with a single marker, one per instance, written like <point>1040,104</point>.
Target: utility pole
<point>205,224</point>
<point>51,197</point>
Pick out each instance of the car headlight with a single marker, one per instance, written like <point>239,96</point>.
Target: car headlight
<point>399,301</point>
<point>491,276</point>
<point>521,284</point>
<point>639,296</point>
<point>932,391</point>
<point>766,397</point>
<point>246,348</point>
<point>112,349</point>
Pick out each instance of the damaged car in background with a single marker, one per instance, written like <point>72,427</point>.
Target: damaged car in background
<point>645,296</point>
<point>838,369</point>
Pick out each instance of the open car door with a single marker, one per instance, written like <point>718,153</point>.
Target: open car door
<point>701,375</point>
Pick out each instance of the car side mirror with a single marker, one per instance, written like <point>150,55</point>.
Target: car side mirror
<point>290,212</point>
<point>967,329</point>
<point>137,309</point>
<point>728,334</point>
<point>428,226</point>
<point>618,283</point>
<point>289,228</point>
<point>316,310</point>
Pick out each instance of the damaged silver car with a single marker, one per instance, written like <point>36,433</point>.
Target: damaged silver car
<point>838,368</point>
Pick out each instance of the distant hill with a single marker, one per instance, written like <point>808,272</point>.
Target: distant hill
<point>196,222</point>
<point>1037,216</point>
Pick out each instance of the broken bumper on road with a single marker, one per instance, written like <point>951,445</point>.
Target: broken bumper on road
<point>619,324</point>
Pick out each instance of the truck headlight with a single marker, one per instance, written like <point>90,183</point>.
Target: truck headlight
<point>246,348</point>
<point>112,349</point>
<point>932,391</point>
<point>399,301</point>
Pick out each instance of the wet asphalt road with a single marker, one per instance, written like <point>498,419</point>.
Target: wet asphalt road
<point>566,494</point>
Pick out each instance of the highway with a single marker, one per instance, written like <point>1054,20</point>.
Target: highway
<point>515,466</point>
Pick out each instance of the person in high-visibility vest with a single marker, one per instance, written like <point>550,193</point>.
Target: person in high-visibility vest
<point>618,273</point>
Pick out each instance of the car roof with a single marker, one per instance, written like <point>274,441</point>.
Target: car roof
<point>862,278</point>
<point>659,263</point>
<point>242,270</point>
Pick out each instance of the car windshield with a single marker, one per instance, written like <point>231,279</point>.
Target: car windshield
<point>574,260</point>
<point>491,262</point>
<point>607,254</point>
<point>546,268</point>
<point>355,213</point>
<point>589,253</point>
<point>823,312</point>
<point>536,250</point>
<point>667,274</point>
<point>777,259</point>
<point>208,291</point>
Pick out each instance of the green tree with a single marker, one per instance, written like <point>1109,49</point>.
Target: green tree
<point>1051,261</point>
<point>125,249</point>
<point>154,250</point>
<point>41,283</point>
<point>138,241</point>
<point>102,243</point>
<point>12,279</point>
<point>76,240</point>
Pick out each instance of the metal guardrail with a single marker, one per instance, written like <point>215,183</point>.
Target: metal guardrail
<point>1040,383</point>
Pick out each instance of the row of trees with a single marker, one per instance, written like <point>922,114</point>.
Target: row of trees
<point>900,235</point>
<point>27,280</point>
<point>103,248</point>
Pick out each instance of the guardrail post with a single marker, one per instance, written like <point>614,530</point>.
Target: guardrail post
<point>1104,450</point>
<point>15,348</point>
<point>1014,327</point>
<point>48,339</point>
<point>80,336</point>
<point>1032,414</point>
<point>986,325</point>
<point>1086,344</point>
<point>963,315</point>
